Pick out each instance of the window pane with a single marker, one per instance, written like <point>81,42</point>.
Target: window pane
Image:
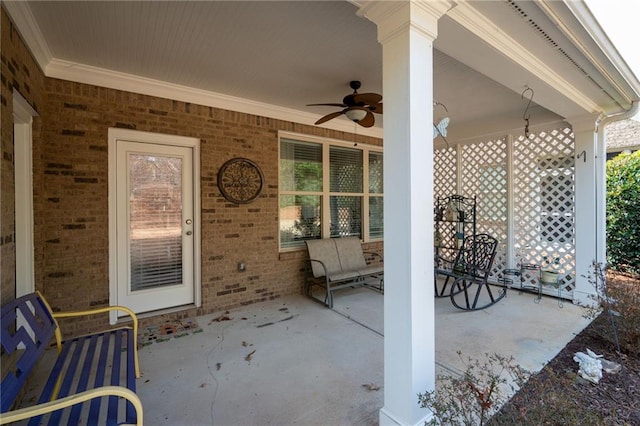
<point>300,166</point>
<point>346,216</point>
<point>155,221</point>
<point>345,169</point>
<point>375,173</point>
<point>376,217</point>
<point>299,219</point>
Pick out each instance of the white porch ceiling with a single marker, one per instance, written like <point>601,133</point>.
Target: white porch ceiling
<point>280,56</point>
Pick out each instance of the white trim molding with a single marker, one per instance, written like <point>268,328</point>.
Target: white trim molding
<point>86,74</point>
<point>20,13</point>
<point>23,115</point>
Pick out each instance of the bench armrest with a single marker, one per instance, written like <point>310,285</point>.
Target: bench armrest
<point>128,311</point>
<point>324,267</point>
<point>374,254</point>
<point>47,407</point>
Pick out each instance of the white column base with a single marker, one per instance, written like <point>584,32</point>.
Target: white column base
<point>387,419</point>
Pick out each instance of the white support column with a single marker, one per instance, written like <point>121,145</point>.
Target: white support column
<point>584,130</point>
<point>511,237</point>
<point>601,195</point>
<point>406,31</point>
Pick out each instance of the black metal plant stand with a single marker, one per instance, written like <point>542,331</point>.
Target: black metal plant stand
<point>530,276</point>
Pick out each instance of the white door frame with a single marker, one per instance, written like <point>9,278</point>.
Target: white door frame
<point>116,134</point>
<point>23,115</point>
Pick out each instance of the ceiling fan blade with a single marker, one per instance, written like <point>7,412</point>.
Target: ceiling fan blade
<point>377,108</point>
<point>329,117</point>
<point>367,98</point>
<point>336,105</point>
<point>368,121</point>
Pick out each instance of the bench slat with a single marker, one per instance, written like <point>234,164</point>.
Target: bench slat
<point>75,367</point>
<point>74,417</point>
<point>112,415</point>
<point>49,387</point>
<point>94,409</point>
<point>131,376</point>
<point>67,380</point>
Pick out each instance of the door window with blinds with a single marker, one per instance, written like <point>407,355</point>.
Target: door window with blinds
<point>329,190</point>
<point>155,220</point>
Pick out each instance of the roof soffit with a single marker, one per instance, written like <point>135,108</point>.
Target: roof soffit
<point>579,25</point>
<point>489,22</point>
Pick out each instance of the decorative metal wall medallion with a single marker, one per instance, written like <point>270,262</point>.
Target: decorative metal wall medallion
<point>240,180</point>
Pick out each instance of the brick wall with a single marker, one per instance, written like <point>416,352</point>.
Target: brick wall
<point>19,71</point>
<point>71,192</point>
<point>72,216</point>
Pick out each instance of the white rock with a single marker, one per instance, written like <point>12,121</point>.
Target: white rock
<point>590,367</point>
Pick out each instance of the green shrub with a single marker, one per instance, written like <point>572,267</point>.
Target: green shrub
<point>623,212</point>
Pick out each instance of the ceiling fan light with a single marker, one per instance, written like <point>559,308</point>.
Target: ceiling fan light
<point>355,114</point>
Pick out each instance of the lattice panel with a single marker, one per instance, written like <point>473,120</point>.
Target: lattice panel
<point>346,216</point>
<point>544,203</point>
<point>484,174</point>
<point>445,176</point>
<point>444,184</point>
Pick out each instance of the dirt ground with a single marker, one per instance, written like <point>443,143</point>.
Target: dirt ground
<point>558,396</point>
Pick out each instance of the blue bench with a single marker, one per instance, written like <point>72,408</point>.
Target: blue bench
<point>93,379</point>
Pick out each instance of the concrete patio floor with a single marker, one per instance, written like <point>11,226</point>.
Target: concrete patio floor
<point>294,361</point>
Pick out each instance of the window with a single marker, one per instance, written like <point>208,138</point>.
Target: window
<point>329,189</point>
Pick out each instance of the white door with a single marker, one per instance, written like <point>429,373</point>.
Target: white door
<point>154,225</point>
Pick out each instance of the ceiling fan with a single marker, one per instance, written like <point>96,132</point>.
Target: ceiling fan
<point>358,107</point>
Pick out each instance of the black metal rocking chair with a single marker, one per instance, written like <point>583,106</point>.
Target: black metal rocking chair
<point>466,283</point>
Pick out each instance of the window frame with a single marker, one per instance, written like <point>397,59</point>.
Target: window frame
<point>326,193</point>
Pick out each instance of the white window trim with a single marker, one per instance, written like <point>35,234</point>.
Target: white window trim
<point>23,115</point>
<point>326,193</point>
